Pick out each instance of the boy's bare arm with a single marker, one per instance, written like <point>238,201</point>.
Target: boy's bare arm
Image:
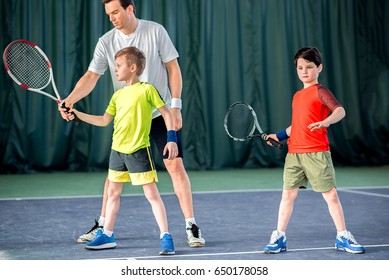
<point>103,120</point>
<point>167,117</point>
<point>338,114</point>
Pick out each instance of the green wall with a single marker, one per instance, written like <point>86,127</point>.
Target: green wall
<point>229,51</point>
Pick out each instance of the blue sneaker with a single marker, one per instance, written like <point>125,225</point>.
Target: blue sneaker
<point>167,246</point>
<point>101,241</point>
<point>346,242</point>
<point>277,243</point>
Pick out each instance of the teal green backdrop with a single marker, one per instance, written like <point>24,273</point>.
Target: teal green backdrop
<point>229,50</point>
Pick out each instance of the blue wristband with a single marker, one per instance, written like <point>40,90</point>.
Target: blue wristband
<point>282,135</point>
<point>171,136</point>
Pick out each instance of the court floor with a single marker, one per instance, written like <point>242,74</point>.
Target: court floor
<point>236,226</point>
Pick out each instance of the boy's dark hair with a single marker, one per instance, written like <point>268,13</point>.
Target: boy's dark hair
<point>310,54</point>
<point>123,3</point>
<point>133,56</point>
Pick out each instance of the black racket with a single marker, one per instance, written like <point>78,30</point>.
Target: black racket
<point>240,123</point>
<point>30,68</point>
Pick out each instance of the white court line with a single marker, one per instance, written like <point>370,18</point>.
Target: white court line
<point>363,193</point>
<point>279,190</point>
<point>238,253</point>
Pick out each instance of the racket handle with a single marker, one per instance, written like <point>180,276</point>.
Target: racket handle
<point>76,120</point>
<point>275,143</point>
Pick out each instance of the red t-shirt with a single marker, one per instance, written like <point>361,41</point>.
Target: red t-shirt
<point>310,105</point>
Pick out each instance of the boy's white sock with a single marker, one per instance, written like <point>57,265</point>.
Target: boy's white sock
<point>342,233</point>
<point>107,232</point>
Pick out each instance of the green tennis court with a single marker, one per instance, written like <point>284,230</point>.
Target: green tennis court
<point>78,184</point>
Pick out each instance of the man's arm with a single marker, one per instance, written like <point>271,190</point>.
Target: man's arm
<point>83,87</point>
<point>175,84</point>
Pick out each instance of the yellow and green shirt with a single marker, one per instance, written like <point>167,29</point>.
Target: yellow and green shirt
<point>132,108</point>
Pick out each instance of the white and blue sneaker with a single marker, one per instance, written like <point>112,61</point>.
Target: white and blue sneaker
<point>195,238</point>
<point>89,235</point>
<point>101,241</point>
<point>167,246</point>
<point>276,244</point>
<point>346,242</point>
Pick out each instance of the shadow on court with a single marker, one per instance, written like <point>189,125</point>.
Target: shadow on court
<point>236,225</point>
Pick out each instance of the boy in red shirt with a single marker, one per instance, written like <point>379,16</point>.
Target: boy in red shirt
<point>309,157</point>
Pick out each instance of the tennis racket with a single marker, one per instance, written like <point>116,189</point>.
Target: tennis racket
<point>240,123</point>
<point>30,68</point>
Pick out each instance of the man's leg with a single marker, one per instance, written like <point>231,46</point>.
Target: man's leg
<point>180,180</point>
<point>89,235</point>
<point>181,185</point>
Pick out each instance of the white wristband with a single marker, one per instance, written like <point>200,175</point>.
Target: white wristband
<point>176,103</point>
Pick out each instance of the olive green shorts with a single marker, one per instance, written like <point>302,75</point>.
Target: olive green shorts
<point>315,168</point>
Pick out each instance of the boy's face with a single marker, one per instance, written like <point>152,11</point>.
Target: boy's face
<point>123,71</point>
<point>308,72</point>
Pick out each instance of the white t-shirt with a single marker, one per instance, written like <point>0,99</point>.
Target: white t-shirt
<point>153,40</point>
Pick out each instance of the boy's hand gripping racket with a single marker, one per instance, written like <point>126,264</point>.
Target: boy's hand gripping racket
<point>241,121</point>
<point>30,68</point>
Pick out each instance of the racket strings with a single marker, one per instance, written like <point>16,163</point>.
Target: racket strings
<point>28,66</point>
<point>240,122</point>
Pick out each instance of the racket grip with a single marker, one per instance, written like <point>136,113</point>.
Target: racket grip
<point>275,143</point>
<point>76,119</point>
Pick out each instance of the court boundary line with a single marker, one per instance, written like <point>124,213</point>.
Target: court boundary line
<point>237,253</point>
<point>363,193</point>
<point>351,189</point>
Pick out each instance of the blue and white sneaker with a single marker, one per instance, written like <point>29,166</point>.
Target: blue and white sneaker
<point>167,246</point>
<point>346,242</point>
<point>277,243</point>
<point>101,241</point>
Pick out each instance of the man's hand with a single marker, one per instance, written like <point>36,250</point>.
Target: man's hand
<point>65,109</point>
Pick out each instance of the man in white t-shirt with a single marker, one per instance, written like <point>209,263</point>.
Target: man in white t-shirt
<point>163,71</point>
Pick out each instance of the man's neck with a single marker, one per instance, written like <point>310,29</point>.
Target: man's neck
<point>131,28</point>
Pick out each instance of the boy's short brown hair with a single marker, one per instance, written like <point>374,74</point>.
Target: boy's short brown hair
<point>310,54</point>
<point>133,56</point>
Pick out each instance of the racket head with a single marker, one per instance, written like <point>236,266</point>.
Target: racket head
<point>240,121</point>
<point>27,65</point>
